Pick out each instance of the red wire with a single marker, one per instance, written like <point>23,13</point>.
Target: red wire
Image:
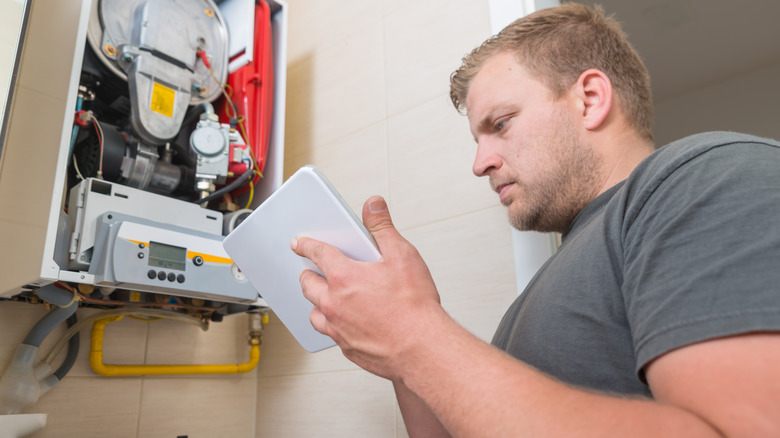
<point>202,55</point>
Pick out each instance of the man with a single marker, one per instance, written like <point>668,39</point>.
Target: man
<point>659,314</point>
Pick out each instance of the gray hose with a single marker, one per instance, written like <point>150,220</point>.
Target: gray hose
<point>58,297</point>
<point>246,176</point>
<point>73,352</point>
<point>195,112</point>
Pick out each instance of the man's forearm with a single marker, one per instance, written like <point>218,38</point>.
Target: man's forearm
<point>476,390</point>
<point>418,418</point>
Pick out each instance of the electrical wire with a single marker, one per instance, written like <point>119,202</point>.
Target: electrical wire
<point>223,88</point>
<point>251,195</point>
<point>99,131</point>
<point>240,120</point>
<point>255,168</point>
<point>100,138</point>
<point>76,168</point>
<point>76,298</point>
<point>251,165</point>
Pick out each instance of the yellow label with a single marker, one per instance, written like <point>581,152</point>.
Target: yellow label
<point>135,297</point>
<point>163,99</point>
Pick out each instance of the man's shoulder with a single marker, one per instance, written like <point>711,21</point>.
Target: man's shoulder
<point>723,147</point>
<point>699,144</point>
<point>712,165</point>
<point>721,138</point>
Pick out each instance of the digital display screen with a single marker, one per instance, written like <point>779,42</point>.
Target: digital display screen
<point>167,256</point>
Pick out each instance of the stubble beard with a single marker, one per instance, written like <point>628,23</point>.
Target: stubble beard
<point>562,192</point>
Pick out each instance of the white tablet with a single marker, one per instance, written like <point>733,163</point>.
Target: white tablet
<point>306,205</point>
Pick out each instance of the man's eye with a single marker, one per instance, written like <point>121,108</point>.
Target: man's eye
<point>499,125</point>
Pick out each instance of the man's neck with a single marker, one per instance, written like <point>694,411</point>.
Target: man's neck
<point>623,153</point>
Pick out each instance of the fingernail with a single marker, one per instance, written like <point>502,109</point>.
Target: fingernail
<point>294,244</point>
<point>378,205</point>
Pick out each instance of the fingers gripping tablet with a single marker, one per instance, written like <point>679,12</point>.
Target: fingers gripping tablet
<point>306,205</point>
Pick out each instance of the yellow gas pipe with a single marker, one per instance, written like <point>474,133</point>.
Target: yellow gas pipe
<point>96,359</point>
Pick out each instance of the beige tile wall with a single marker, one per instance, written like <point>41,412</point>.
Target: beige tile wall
<point>368,103</point>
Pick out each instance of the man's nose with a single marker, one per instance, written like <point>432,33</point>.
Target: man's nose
<point>486,160</point>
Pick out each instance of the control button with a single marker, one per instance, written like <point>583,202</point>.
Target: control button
<point>198,260</point>
<point>171,276</point>
<point>180,278</point>
<point>141,245</point>
<point>151,274</point>
<point>140,255</point>
<point>161,275</point>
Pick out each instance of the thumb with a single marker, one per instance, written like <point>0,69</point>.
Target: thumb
<point>377,220</point>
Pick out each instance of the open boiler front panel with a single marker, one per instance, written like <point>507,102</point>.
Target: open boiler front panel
<point>174,133</point>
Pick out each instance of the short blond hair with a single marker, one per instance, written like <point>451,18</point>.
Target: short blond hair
<point>557,45</point>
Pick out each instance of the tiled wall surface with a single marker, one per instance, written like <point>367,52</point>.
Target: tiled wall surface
<point>367,102</point>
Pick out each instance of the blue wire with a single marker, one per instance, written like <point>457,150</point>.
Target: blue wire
<point>75,132</point>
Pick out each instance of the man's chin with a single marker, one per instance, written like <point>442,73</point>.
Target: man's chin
<point>518,220</point>
<point>527,220</point>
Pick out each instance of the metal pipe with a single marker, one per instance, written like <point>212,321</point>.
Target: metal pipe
<point>96,360</point>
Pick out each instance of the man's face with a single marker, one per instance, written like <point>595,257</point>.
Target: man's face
<point>530,146</point>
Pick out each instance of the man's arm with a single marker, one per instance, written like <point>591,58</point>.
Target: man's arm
<point>732,382</point>
<point>386,317</point>
<point>418,417</point>
<point>725,387</point>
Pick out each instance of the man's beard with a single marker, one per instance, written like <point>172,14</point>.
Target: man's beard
<point>570,184</point>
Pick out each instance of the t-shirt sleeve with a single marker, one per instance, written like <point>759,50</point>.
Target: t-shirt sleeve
<point>702,250</point>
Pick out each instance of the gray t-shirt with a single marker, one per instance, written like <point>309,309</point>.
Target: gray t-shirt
<point>686,249</point>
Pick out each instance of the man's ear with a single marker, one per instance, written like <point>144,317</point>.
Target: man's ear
<point>595,90</point>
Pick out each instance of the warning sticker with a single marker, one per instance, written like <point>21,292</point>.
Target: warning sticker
<point>163,99</point>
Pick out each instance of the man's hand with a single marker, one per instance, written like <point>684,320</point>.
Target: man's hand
<point>374,311</point>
